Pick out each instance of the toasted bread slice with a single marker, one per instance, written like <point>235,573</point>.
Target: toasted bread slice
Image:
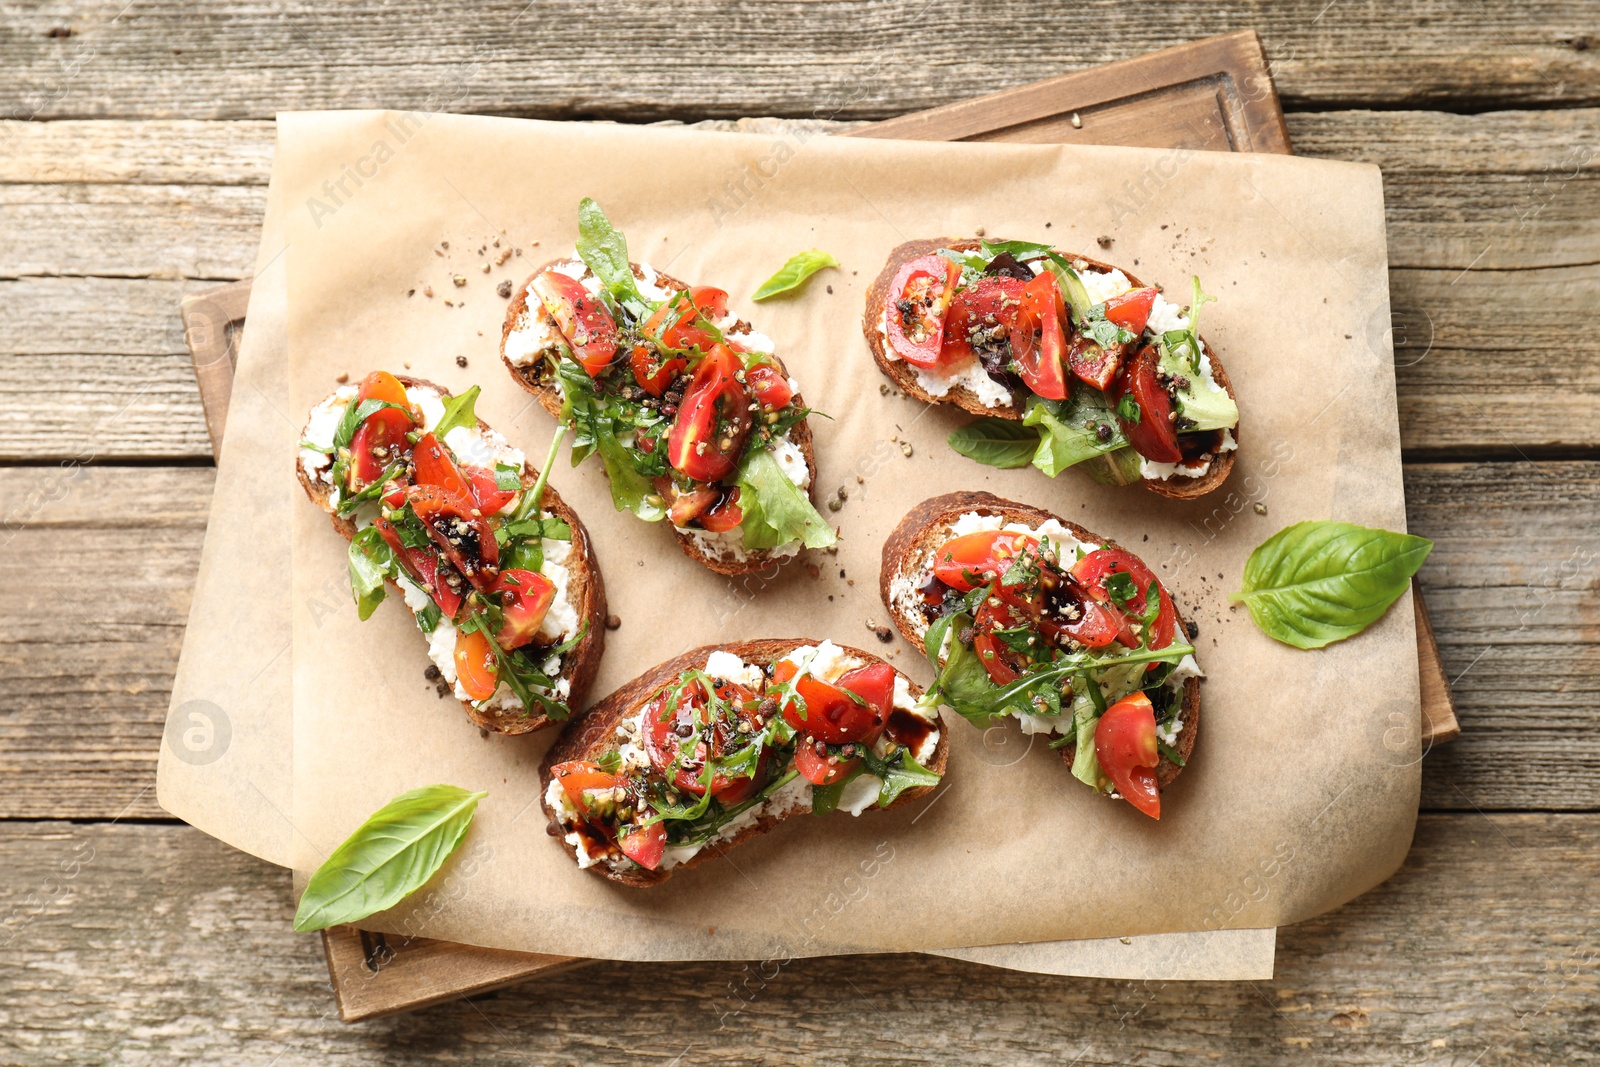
<point>586,590</point>
<point>538,378</point>
<point>595,734</point>
<point>904,375</point>
<point>908,556</point>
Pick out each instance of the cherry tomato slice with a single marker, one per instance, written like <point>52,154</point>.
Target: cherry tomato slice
<point>436,466</point>
<point>816,769</point>
<point>986,312</point>
<point>914,317</point>
<point>582,318</point>
<point>1094,364</point>
<point>485,491</point>
<point>578,778</point>
<point>1095,569</point>
<point>853,709</point>
<point>423,565</point>
<point>1125,745</point>
<point>1131,310</point>
<point>1067,609</point>
<point>714,421</point>
<point>724,515</point>
<point>525,599</point>
<point>644,845</point>
<point>770,387</point>
<point>686,507</point>
<point>394,493</point>
<point>476,669</point>
<point>1152,434</point>
<point>1001,662</point>
<point>668,727</point>
<point>381,385</point>
<point>966,562</point>
<point>466,540</point>
<point>380,441</point>
<point>651,371</point>
<point>676,323</point>
<point>1041,360</point>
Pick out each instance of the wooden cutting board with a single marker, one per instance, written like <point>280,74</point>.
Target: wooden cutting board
<point>1212,95</point>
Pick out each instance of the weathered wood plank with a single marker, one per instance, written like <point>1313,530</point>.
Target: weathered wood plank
<point>133,944</point>
<point>851,58</point>
<point>1509,586</point>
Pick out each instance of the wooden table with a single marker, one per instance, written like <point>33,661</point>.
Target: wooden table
<point>128,938</point>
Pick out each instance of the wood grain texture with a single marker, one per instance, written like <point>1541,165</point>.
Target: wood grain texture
<point>848,58</point>
<point>1510,586</point>
<point>143,944</point>
<point>1515,192</point>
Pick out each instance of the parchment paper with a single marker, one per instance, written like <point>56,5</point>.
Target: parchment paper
<point>228,742</point>
<point>1295,801</point>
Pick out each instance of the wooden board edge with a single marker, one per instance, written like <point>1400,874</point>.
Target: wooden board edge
<point>372,978</point>
<point>212,319</point>
<point>1439,723</point>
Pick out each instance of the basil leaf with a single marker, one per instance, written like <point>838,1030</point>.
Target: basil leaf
<point>458,411</point>
<point>389,857</point>
<point>371,561</point>
<point>776,511</point>
<point>793,274</point>
<point>1003,443</point>
<point>1314,583</point>
<point>604,250</point>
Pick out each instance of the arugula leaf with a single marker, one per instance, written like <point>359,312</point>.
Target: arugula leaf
<point>428,618</point>
<point>409,529</point>
<point>897,774</point>
<point>507,479</point>
<point>1201,406</point>
<point>371,561</point>
<point>526,681</point>
<point>793,274</point>
<point>1122,588</point>
<point>389,857</point>
<point>354,416</point>
<point>960,680</point>
<point>1314,583</point>
<point>458,411</point>
<point>776,511</point>
<point>596,431</point>
<point>996,442</point>
<point>604,250</point>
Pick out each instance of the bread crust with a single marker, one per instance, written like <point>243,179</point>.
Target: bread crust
<point>926,527</point>
<point>593,734</point>
<point>587,591</point>
<point>904,375</point>
<point>548,395</point>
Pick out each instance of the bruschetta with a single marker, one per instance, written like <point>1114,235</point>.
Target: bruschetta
<point>1096,366</point>
<point>690,409</point>
<point>1026,615</point>
<point>495,567</point>
<point>707,750</point>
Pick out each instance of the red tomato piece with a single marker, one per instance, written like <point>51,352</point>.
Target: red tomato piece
<point>466,539</point>
<point>1003,664</point>
<point>687,507</point>
<point>914,317</point>
<point>725,514</point>
<point>394,494</point>
<point>677,323</point>
<point>990,307</point>
<point>769,386</point>
<point>423,565</point>
<point>476,669</point>
<point>436,466</point>
<point>1040,361</point>
<point>968,561</point>
<point>1068,610</point>
<point>525,599</point>
<point>1097,567</point>
<point>644,845</point>
<point>1125,745</point>
<point>709,434</point>
<point>1152,434</point>
<point>652,372</point>
<point>582,318</point>
<point>815,768</point>
<point>668,727</point>
<point>380,440</point>
<point>485,491</point>
<point>1094,364</point>
<point>1131,310</point>
<point>579,778</point>
<point>853,709</point>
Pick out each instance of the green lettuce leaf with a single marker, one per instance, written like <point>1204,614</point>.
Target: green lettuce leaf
<point>776,511</point>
